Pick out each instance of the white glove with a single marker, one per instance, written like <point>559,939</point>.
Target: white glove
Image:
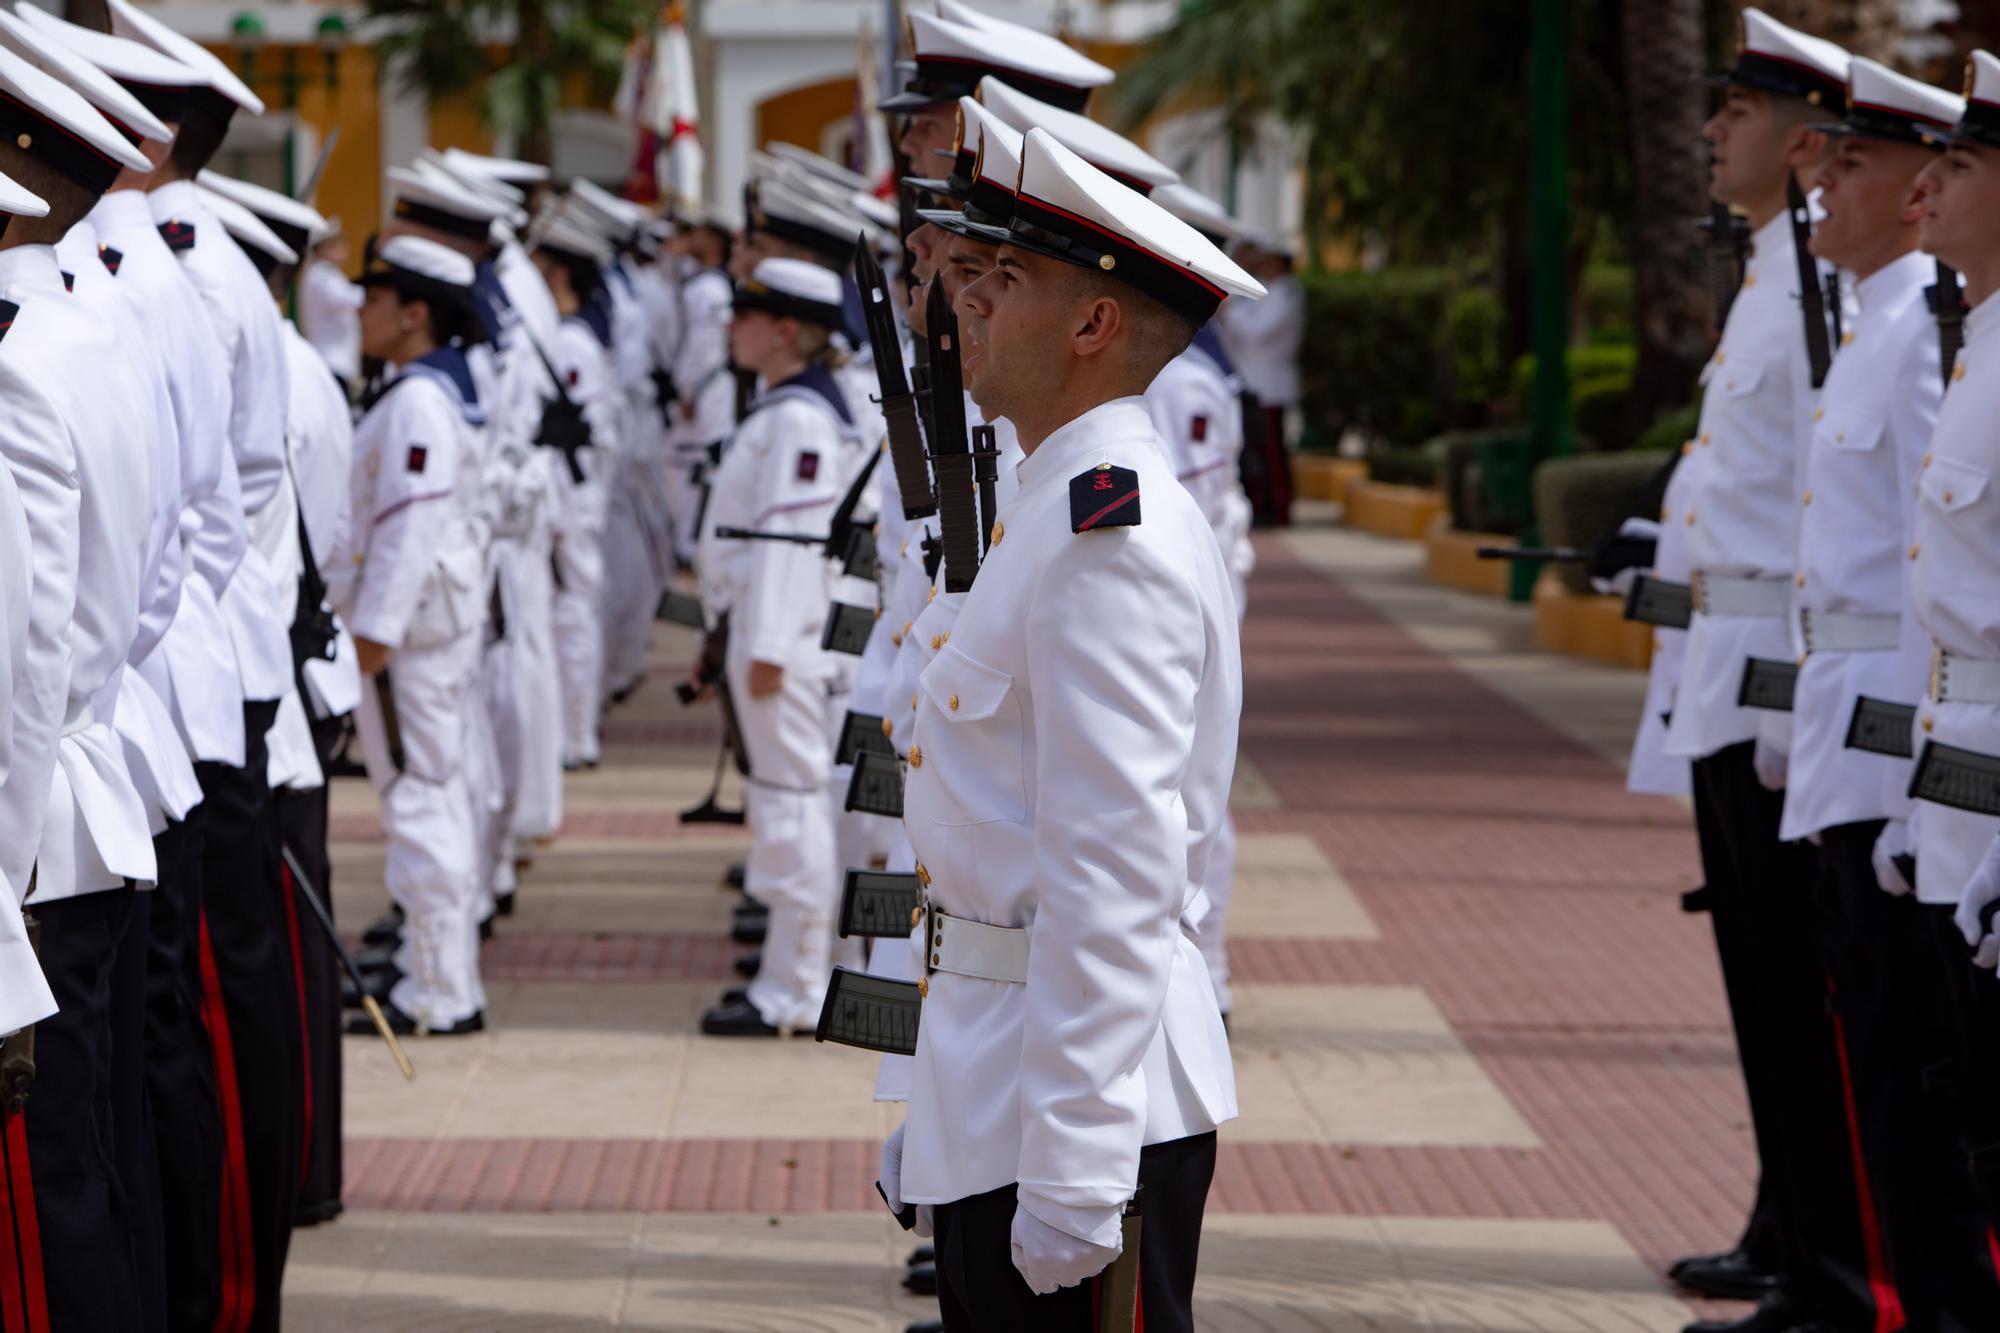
<point>1619,584</point>
<point>891,1181</point>
<point>1894,842</point>
<point>1771,764</point>
<point>1048,1259</point>
<point>1982,889</point>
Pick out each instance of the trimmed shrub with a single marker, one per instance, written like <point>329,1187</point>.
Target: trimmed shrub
<point>1477,468</point>
<point>1671,431</point>
<point>1403,465</point>
<point>1398,355</point>
<point>1579,501</point>
<point>1597,408</point>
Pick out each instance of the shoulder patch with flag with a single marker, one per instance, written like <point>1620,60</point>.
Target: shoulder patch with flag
<point>808,465</point>
<point>112,258</point>
<point>1199,430</point>
<point>178,235</point>
<point>418,455</point>
<point>8,310</point>
<point>1104,497</point>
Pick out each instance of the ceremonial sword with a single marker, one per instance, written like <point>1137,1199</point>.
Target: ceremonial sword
<point>303,883</point>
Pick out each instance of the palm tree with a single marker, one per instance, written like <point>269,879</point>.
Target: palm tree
<point>440,49</point>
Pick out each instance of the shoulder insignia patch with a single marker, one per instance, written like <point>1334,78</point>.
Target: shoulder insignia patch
<point>112,258</point>
<point>1199,430</point>
<point>69,280</point>
<point>418,456</point>
<point>808,465</point>
<point>1104,497</point>
<point>178,235</point>
<point>8,310</point>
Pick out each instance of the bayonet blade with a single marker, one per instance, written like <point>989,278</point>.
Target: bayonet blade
<point>951,453</point>
<point>899,405</point>
<point>1812,307</point>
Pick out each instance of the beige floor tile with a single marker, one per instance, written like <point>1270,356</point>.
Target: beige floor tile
<point>791,1088</point>
<point>1250,791</point>
<point>721,1273</point>
<point>1286,886</point>
<point>1369,1065</point>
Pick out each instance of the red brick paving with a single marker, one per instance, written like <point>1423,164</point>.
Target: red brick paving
<point>1512,878</point>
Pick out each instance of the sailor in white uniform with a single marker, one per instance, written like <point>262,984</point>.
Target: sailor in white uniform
<point>413,591</point>
<point>706,411</point>
<point>1068,769</point>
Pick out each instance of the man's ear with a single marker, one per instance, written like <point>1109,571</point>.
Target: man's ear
<point>1100,320</point>
<point>1805,150</point>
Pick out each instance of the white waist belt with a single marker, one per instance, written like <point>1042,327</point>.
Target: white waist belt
<point>1732,595</point>
<point>1846,632</point>
<point>973,949</point>
<point>79,718</point>
<point>1972,680</point>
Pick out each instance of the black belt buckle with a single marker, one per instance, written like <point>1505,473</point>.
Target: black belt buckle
<point>679,608</point>
<point>1880,727</point>
<point>879,904</point>
<point>1961,779</point>
<point>1660,602</point>
<point>847,629</point>
<point>877,785</point>
<point>861,560</point>
<point>861,733</point>
<point>1768,685</point>
<point>870,1012</point>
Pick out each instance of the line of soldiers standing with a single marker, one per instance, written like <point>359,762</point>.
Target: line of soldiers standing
<point>1826,682</point>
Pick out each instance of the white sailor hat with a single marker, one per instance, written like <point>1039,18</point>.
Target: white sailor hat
<point>618,218</point>
<point>422,270</point>
<point>795,289</point>
<point>877,211</point>
<point>1980,121</point>
<point>265,247</point>
<point>816,164</point>
<point>295,223</point>
<point>988,197</point>
<point>18,201</point>
<point>1882,104</point>
<point>1198,211</point>
<point>509,169</point>
<point>1776,59</point>
<point>1102,147</point>
<point>50,121</point>
<point>161,83</point>
<point>951,58</point>
<point>127,114</point>
<point>426,197</point>
<point>490,188</point>
<point>128,20</point>
<point>561,232</point>
<point>1066,209</point>
<point>778,209</point>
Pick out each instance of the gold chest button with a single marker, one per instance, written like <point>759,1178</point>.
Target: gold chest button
<point>1802,580</point>
<point>1819,414</point>
<point>1913,550</point>
<point>923,875</point>
<point>999,531</point>
<point>1958,372</point>
<point>1930,724</point>
<point>916,757</point>
<point>937,642</point>
<point>923,988</point>
<point>931,596</point>
<point>954,703</point>
<point>888,727</point>
<point>1806,498</point>
<point>913,701</point>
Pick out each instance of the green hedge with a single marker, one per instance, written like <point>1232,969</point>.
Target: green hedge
<point>1581,500</point>
<point>1477,469</point>
<point>1399,355</point>
<point>1404,465</point>
<point>1671,431</point>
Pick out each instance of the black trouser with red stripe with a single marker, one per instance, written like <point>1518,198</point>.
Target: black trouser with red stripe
<point>1973,1077</point>
<point>1894,1014</point>
<point>253,1019</point>
<point>180,1083</point>
<point>1767,933</point>
<point>79,1216</point>
<point>980,1290</point>
<point>302,817</point>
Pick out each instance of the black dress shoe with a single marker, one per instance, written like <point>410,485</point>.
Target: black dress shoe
<point>749,932</point>
<point>748,963</point>
<point>486,927</point>
<point>734,995</point>
<point>400,1023</point>
<point>1731,1277</point>
<point>503,905</point>
<point>1778,1313</point>
<point>921,1280</point>
<point>923,1254</point>
<point>384,929</point>
<point>733,876</point>
<point>736,1020</point>
<point>318,1211</point>
<point>926,1326</point>
<point>375,959</point>
<point>748,911</point>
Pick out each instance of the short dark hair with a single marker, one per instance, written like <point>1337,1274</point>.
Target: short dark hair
<point>68,200</point>
<point>1157,332</point>
<point>202,131</point>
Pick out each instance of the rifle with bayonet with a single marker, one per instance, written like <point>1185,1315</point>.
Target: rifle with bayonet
<point>1947,304</point>
<point>1728,235</point>
<point>1812,307</point>
<point>898,403</point>
<point>951,452</point>
<point>840,541</point>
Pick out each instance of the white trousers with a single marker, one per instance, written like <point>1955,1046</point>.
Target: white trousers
<point>1221,887</point>
<point>684,499</point>
<point>432,867</point>
<point>579,633</point>
<point>527,592</point>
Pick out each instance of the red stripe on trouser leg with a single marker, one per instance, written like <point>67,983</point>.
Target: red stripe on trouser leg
<point>1139,1296</point>
<point>1881,1283</point>
<point>239,1279</point>
<point>305,1027</point>
<point>27,1247</point>
<point>1993,1250</point>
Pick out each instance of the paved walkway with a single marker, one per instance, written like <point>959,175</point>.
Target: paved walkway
<point>1484,1061</point>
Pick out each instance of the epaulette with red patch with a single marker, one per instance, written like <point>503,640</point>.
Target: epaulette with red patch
<point>178,235</point>
<point>112,258</point>
<point>1104,497</point>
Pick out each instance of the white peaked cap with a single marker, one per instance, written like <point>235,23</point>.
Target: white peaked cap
<point>426,196</point>
<point>560,231</point>
<point>424,259</point>
<point>128,20</point>
<point>1198,210</point>
<point>621,217</point>
<point>1884,104</point>
<point>795,288</point>
<point>264,201</point>
<point>1789,63</point>
<point>1982,78</point>
<point>245,226</point>
<point>17,200</point>
<point>1069,210</point>
<point>1980,121</point>
<point>1102,147</point>
<point>879,212</point>
<point>509,169</point>
<point>817,164</point>
<point>55,124</point>
<point>806,219</point>
<point>121,108</point>
<point>490,188</point>
<point>951,56</point>
<point>120,57</point>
